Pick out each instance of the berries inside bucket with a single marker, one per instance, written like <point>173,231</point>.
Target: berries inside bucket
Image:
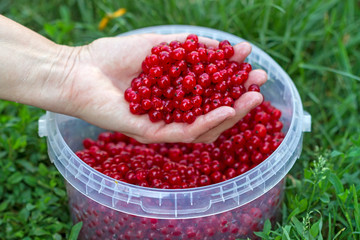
<point>182,80</point>
<point>100,222</point>
<point>180,165</point>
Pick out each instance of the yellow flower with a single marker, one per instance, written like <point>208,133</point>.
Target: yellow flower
<point>118,13</point>
<point>105,20</point>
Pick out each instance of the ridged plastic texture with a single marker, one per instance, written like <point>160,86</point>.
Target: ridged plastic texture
<point>65,135</point>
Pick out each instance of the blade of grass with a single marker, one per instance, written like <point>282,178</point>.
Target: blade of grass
<point>338,233</point>
<point>356,208</point>
<point>328,69</point>
<point>265,23</point>
<point>75,230</point>
<point>329,226</point>
<point>347,217</point>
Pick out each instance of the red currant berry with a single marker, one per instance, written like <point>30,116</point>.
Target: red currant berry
<point>155,115</point>
<point>254,88</point>
<point>189,45</point>
<point>219,54</point>
<point>179,94</point>
<point>223,43</point>
<point>211,69</point>
<point>186,105</point>
<point>174,44</point>
<point>196,101</point>
<point>216,177</point>
<point>135,108</point>
<point>155,72</point>
<point>178,53</point>
<point>193,37</point>
<point>174,71</point>
<point>193,57</point>
<point>260,130</point>
<point>129,94</point>
<point>204,80</point>
<point>204,180</point>
<point>164,82</point>
<point>189,82</point>
<point>228,51</point>
<point>144,92</point>
<point>245,66</point>
<point>146,104</point>
<point>189,117</point>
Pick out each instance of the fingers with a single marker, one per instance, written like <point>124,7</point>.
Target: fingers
<point>243,105</point>
<point>210,121</point>
<point>159,38</point>
<point>209,42</point>
<point>183,132</point>
<point>257,76</point>
<point>241,51</point>
<point>205,129</point>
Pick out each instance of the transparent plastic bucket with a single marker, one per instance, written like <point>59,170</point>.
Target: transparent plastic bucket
<point>231,209</point>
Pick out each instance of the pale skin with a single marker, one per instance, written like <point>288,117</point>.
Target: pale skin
<point>89,81</point>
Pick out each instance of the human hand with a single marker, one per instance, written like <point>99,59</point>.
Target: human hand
<point>89,82</point>
<point>104,69</point>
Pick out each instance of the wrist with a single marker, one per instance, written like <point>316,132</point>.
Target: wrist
<point>52,78</point>
<point>34,69</point>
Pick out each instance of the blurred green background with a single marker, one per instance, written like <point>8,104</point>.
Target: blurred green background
<point>316,42</point>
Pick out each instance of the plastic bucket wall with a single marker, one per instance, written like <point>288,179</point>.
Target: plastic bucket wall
<point>95,197</point>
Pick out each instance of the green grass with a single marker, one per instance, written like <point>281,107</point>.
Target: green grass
<point>316,42</point>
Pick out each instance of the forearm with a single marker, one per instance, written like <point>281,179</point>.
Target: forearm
<point>32,68</point>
